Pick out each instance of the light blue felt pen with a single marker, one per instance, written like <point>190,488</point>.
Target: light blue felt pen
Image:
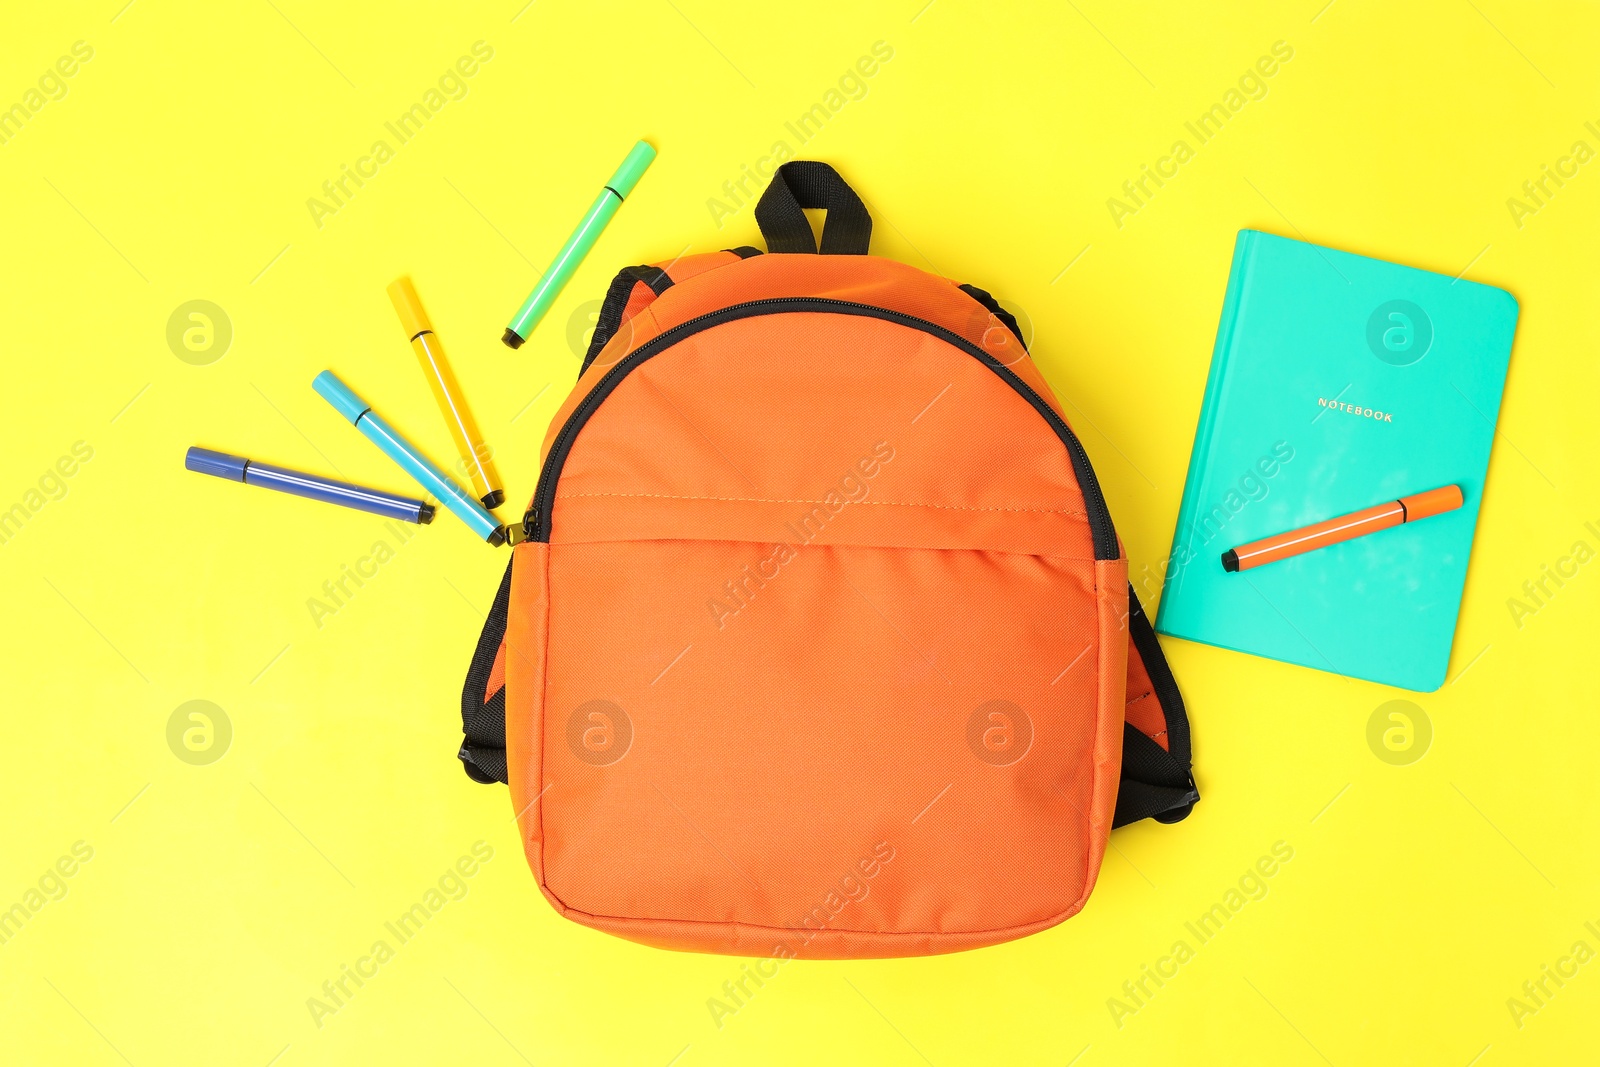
<point>410,459</point>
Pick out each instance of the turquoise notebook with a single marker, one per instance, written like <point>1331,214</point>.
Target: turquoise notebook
<point>1338,382</point>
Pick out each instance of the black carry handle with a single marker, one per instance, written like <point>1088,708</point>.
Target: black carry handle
<point>805,183</point>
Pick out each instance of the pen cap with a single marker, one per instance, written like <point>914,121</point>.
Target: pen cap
<point>627,175</point>
<point>217,464</point>
<point>339,395</point>
<point>409,307</point>
<point>1433,502</point>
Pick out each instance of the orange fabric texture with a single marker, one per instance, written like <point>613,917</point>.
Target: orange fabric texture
<point>641,297</point>
<point>864,279</point>
<point>817,660</point>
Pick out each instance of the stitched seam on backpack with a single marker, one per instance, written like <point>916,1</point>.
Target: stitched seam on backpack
<point>824,503</point>
<point>1147,694</point>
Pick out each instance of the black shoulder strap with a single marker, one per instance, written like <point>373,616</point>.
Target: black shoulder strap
<point>483,714</point>
<point>1157,783</point>
<point>616,302</point>
<point>805,183</point>
<point>992,306</point>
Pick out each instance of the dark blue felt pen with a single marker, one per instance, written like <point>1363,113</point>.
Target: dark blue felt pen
<point>239,469</point>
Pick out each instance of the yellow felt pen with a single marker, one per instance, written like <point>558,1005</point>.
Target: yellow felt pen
<point>430,354</point>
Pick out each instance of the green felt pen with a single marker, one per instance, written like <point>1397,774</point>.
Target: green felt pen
<point>583,238</point>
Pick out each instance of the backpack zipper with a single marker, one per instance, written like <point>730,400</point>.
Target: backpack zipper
<point>536,522</point>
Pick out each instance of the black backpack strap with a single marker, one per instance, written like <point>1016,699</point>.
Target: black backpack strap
<point>483,714</point>
<point>992,306</point>
<point>1157,783</point>
<point>618,294</point>
<point>806,183</point>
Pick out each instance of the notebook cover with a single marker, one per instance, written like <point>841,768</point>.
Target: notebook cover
<point>1338,382</point>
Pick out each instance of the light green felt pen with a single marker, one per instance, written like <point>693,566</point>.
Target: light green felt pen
<point>583,238</point>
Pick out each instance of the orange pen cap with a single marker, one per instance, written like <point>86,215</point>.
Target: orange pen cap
<point>1433,502</point>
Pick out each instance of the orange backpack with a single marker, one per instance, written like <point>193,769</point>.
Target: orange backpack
<point>820,643</point>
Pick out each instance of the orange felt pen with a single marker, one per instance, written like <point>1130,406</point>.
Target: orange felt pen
<point>430,354</point>
<point>1344,528</point>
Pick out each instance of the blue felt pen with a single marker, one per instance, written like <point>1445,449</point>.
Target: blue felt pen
<point>410,459</point>
<point>297,483</point>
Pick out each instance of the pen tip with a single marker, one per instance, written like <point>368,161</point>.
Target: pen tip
<point>494,499</point>
<point>511,339</point>
<point>1230,561</point>
<point>425,514</point>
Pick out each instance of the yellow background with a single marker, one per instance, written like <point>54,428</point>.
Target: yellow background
<point>220,897</point>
